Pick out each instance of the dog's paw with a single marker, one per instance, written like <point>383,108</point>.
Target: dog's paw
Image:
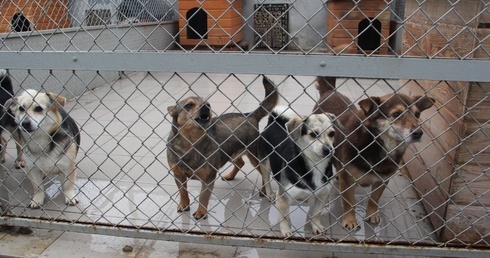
<point>182,208</point>
<point>350,224</point>
<point>2,160</point>
<point>20,164</point>
<point>317,229</point>
<point>198,215</point>
<point>374,218</point>
<point>71,201</point>
<point>271,197</point>
<point>286,233</point>
<point>35,204</point>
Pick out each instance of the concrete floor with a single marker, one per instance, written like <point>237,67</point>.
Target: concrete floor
<point>124,179</point>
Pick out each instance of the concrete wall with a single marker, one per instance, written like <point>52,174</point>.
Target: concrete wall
<point>138,37</point>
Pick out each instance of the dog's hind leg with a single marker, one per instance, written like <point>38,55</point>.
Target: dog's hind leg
<point>372,214</point>
<point>238,163</point>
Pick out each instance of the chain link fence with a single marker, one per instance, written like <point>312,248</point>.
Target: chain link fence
<point>121,63</point>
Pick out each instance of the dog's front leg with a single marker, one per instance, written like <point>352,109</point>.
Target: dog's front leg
<point>69,187</point>
<point>282,204</point>
<point>35,175</point>
<point>19,162</point>
<point>181,182</point>
<point>206,190</point>
<point>347,188</point>
<point>238,163</point>
<point>265,170</point>
<point>372,214</point>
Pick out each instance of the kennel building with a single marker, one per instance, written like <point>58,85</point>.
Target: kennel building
<point>368,22</point>
<point>210,22</point>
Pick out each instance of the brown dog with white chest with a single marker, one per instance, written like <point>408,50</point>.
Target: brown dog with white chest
<point>371,142</point>
<point>200,144</point>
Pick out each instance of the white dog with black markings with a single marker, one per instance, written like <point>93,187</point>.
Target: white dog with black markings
<point>298,150</point>
<point>51,139</point>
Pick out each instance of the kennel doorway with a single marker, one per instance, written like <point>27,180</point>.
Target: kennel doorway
<point>198,24</point>
<point>369,34</point>
<point>368,24</point>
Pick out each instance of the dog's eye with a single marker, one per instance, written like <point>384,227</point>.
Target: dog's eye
<point>22,109</point>
<point>396,115</point>
<point>313,134</point>
<point>189,106</point>
<point>38,109</point>
<point>331,134</point>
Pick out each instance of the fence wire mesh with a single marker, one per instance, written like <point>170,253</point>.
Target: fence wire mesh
<point>437,197</point>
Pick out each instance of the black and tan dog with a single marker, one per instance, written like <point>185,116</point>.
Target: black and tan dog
<point>200,144</point>
<point>371,142</point>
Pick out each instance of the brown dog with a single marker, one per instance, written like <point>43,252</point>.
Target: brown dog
<point>371,142</point>
<point>199,145</point>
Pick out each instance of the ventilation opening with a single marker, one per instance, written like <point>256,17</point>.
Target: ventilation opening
<point>271,25</point>
<point>197,27</point>
<point>369,34</point>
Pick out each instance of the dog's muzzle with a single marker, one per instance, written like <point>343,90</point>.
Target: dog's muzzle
<point>26,125</point>
<point>204,114</point>
<point>327,151</point>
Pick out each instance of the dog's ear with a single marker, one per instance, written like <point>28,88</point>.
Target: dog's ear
<point>56,98</point>
<point>423,102</point>
<point>294,127</point>
<point>369,105</point>
<point>335,120</point>
<point>171,111</point>
<point>9,104</point>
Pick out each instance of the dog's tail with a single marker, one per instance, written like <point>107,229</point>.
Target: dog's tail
<point>324,84</point>
<point>270,101</point>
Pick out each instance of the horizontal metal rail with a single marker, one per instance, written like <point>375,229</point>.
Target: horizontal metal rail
<point>256,63</point>
<point>220,239</point>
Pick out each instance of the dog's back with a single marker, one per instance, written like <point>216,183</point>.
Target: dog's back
<point>330,100</point>
<point>234,124</point>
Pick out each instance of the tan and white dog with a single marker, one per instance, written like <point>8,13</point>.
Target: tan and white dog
<point>51,139</point>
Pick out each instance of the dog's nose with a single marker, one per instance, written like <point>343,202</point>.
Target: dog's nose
<point>417,134</point>
<point>327,151</point>
<point>205,107</point>
<point>26,124</point>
